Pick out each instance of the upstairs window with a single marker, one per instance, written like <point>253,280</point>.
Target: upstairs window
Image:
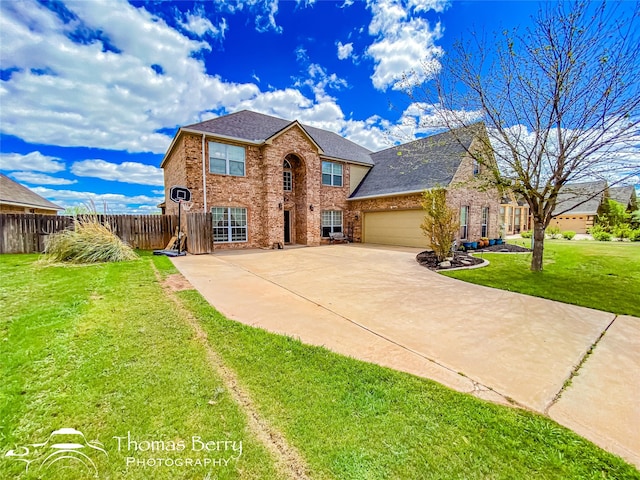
<point>476,167</point>
<point>287,178</point>
<point>332,174</point>
<point>226,159</point>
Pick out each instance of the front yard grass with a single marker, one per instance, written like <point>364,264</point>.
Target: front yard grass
<point>102,349</point>
<point>600,275</point>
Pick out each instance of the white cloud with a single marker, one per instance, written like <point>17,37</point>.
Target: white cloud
<point>41,179</point>
<point>111,202</point>
<point>33,161</point>
<point>266,20</point>
<point>127,172</point>
<point>197,23</point>
<point>344,51</point>
<point>403,42</point>
<point>93,96</point>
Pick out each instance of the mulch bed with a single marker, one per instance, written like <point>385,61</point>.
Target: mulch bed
<point>463,259</point>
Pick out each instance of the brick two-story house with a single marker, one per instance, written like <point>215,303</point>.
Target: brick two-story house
<point>271,181</point>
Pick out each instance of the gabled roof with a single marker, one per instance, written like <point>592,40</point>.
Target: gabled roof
<point>12,193</point>
<point>580,198</point>
<point>418,165</point>
<point>258,128</point>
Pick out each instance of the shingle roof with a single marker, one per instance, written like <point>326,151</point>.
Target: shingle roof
<point>12,193</point>
<point>417,165</point>
<point>257,127</point>
<point>625,194</point>
<point>577,198</point>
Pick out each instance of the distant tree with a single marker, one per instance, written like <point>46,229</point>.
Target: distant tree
<point>440,223</point>
<point>612,214</point>
<point>560,101</point>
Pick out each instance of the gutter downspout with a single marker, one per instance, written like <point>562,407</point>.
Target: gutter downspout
<point>204,179</point>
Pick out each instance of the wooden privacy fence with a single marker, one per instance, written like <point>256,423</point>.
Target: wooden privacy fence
<point>27,233</point>
<point>199,233</point>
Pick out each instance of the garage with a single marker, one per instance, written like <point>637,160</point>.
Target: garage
<point>577,223</point>
<point>396,227</point>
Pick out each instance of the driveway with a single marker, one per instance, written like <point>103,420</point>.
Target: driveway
<point>377,304</point>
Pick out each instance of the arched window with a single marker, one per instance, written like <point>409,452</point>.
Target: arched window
<point>287,178</point>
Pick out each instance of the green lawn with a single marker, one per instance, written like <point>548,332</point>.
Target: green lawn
<point>104,350</point>
<point>600,275</point>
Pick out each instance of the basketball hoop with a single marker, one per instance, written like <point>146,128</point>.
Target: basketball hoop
<point>186,206</point>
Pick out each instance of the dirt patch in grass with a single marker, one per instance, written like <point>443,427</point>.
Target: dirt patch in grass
<point>288,460</point>
<point>463,259</point>
<point>176,283</point>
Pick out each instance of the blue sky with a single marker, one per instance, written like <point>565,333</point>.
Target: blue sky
<point>92,92</point>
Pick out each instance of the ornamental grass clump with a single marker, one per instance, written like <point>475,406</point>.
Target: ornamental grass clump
<point>89,242</point>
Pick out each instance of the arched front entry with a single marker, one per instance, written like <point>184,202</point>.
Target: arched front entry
<point>294,191</point>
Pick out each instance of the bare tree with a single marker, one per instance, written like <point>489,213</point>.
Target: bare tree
<point>560,101</point>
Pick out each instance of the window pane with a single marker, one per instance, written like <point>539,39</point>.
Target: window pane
<point>326,231</point>
<point>235,153</point>
<point>217,166</point>
<point>337,169</point>
<point>217,150</point>
<point>337,181</point>
<point>337,218</point>
<point>327,168</point>
<point>238,234</point>
<point>286,181</point>
<point>326,179</point>
<point>236,168</point>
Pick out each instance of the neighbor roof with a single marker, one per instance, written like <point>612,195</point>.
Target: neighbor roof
<point>257,128</point>
<point>580,198</point>
<point>625,195</point>
<point>12,193</point>
<point>418,165</point>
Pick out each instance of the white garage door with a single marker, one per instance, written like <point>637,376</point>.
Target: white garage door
<point>396,227</point>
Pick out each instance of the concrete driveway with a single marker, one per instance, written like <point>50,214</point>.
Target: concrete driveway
<point>377,304</point>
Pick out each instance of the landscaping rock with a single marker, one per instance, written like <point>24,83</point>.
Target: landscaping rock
<point>445,264</point>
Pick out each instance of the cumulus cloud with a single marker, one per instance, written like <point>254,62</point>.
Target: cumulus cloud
<point>109,202</point>
<point>41,179</point>
<point>344,51</point>
<point>135,70</point>
<point>404,42</point>
<point>127,172</point>
<point>33,161</point>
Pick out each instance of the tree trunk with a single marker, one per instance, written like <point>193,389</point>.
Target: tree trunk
<point>538,246</point>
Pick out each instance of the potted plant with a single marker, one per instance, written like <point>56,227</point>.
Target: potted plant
<point>467,245</point>
<point>492,242</point>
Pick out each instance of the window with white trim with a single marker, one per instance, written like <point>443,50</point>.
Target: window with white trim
<point>331,222</point>
<point>464,221</point>
<point>287,178</point>
<point>226,159</point>
<point>485,222</point>
<point>332,174</point>
<point>229,224</point>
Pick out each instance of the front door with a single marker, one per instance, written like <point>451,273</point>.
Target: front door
<point>287,227</point>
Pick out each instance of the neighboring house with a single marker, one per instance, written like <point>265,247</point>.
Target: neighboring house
<point>16,198</point>
<point>271,181</point>
<point>578,204</point>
